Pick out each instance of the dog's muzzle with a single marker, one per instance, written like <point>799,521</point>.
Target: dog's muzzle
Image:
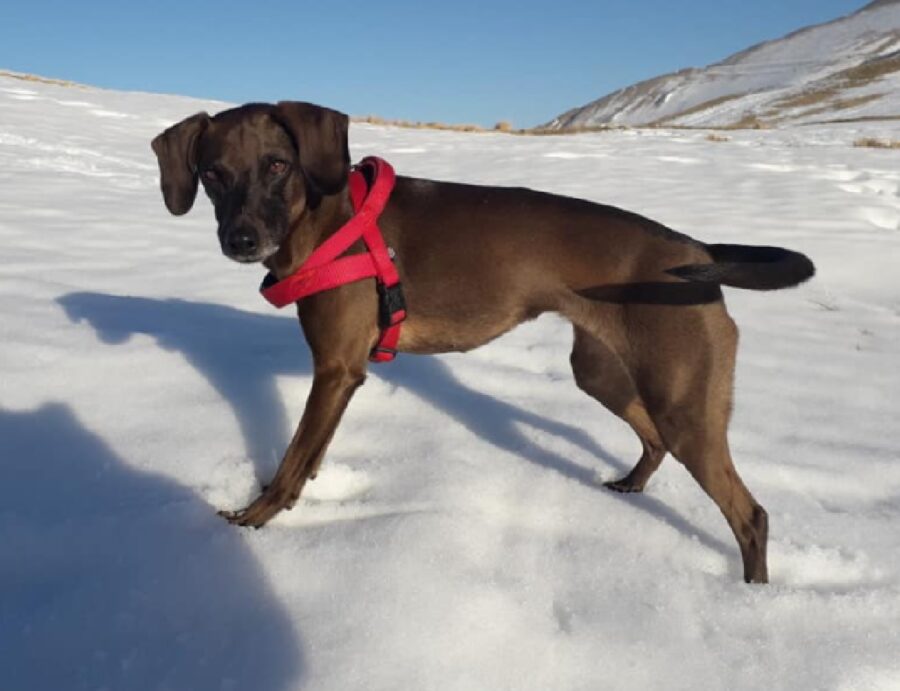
<point>245,244</point>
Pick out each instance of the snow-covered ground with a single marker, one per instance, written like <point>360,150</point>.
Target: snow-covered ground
<point>457,537</point>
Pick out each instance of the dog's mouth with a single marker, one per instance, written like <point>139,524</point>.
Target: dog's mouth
<point>258,254</point>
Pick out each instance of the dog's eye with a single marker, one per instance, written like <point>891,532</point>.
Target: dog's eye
<point>209,175</point>
<point>277,168</point>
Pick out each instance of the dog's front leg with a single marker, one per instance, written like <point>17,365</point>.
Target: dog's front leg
<point>332,389</point>
<point>340,354</point>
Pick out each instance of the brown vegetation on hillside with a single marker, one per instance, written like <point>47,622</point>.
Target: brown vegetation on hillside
<point>873,143</point>
<point>40,80</point>
<point>503,127</point>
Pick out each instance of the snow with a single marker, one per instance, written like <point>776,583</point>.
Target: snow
<point>457,537</point>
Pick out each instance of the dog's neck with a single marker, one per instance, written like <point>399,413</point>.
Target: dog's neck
<point>309,231</point>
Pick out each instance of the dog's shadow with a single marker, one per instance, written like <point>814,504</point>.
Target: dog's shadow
<point>117,578</point>
<point>241,354</point>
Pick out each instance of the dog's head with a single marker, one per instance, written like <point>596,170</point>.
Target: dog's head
<point>262,166</point>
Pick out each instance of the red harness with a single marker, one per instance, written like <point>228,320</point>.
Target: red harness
<point>326,268</point>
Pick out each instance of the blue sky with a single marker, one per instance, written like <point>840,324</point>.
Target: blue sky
<point>460,61</point>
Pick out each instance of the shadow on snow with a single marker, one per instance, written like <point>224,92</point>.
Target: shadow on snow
<point>117,578</point>
<point>241,354</point>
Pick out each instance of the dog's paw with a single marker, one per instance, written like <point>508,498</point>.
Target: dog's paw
<point>262,509</point>
<point>624,486</point>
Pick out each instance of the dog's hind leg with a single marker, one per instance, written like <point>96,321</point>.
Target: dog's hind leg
<point>654,450</point>
<point>675,369</point>
<point>688,394</point>
<point>602,374</point>
<point>706,456</point>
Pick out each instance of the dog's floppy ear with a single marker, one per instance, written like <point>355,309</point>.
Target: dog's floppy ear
<point>320,135</point>
<point>176,151</point>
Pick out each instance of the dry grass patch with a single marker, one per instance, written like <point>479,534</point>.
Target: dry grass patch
<point>578,129</point>
<point>416,125</point>
<point>713,137</point>
<point>820,98</point>
<point>40,80</point>
<point>841,104</point>
<point>805,98</point>
<point>869,71</point>
<point>873,143</point>
<point>503,127</point>
<point>749,122</point>
<point>861,118</point>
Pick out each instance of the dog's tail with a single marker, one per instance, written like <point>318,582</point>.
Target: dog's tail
<point>750,267</point>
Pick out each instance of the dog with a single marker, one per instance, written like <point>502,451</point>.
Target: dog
<point>653,342</point>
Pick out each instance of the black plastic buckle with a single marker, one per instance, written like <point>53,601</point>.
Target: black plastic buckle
<point>390,302</point>
<point>268,281</point>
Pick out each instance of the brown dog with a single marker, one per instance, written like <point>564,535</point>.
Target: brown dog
<point>653,341</point>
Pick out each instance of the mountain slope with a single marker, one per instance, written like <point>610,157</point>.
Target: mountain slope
<point>845,69</point>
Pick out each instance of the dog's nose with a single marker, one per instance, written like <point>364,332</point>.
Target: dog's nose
<point>243,242</point>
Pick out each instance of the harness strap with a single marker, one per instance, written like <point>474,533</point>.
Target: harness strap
<point>326,268</point>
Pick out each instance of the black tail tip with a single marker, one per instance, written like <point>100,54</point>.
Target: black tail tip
<point>752,268</point>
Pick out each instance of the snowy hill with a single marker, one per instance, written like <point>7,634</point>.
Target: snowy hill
<point>848,69</point>
<point>457,537</point>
